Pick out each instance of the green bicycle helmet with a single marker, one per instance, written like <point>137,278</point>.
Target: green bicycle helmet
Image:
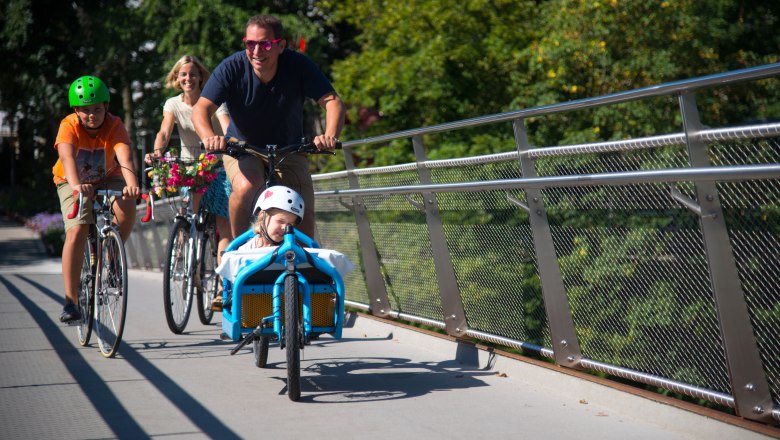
<point>87,90</point>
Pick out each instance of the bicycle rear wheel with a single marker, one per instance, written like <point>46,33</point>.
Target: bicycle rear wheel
<point>111,295</point>
<point>87,290</point>
<point>209,281</point>
<point>177,298</point>
<point>292,337</point>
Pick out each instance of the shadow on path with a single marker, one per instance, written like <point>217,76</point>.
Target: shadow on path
<point>121,422</point>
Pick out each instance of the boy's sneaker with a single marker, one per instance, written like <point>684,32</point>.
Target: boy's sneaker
<point>70,313</point>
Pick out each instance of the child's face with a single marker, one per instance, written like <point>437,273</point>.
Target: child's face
<point>91,116</point>
<point>277,222</point>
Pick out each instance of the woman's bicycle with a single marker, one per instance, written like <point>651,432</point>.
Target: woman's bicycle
<point>291,294</point>
<point>102,295</point>
<point>191,257</point>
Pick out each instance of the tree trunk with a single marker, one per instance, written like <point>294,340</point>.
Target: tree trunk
<point>127,106</point>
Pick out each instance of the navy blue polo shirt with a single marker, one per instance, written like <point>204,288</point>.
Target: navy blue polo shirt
<point>264,114</point>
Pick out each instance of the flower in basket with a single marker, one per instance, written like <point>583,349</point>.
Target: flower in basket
<point>196,175</point>
<point>160,174</point>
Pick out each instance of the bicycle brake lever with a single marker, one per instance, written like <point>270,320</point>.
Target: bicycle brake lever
<point>234,151</point>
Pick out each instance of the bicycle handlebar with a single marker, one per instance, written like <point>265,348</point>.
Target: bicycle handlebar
<point>148,198</point>
<point>236,148</point>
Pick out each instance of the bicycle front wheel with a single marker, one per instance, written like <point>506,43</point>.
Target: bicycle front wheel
<point>86,290</point>
<point>292,337</point>
<point>209,281</point>
<point>177,298</point>
<point>111,294</point>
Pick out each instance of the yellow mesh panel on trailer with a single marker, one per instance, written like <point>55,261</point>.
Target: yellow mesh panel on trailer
<point>256,306</point>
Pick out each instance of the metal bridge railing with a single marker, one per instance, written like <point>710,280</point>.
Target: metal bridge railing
<point>654,259</point>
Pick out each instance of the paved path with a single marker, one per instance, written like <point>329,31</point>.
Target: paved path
<point>379,381</point>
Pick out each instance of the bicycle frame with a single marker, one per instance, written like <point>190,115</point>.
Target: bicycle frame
<point>277,266</point>
<point>191,234</point>
<point>303,294</point>
<point>109,289</point>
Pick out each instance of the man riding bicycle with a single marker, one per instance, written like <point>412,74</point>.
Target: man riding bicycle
<point>265,87</point>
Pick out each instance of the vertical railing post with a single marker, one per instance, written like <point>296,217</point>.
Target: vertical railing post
<point>375,284</point>
<point>451,303</point>
<point>748,381</point>
<point>140,252</point>
<point>160,241</point>
<point>132,258</point>
<point>564,339</point>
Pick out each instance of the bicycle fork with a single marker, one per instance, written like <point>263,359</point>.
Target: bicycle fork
<point>193,257</point>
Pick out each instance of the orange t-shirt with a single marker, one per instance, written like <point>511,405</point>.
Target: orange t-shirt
<point>94,156</point>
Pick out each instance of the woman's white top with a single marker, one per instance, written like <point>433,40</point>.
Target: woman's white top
<point>182,114</point>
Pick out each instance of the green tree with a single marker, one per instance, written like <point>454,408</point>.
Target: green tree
<point>131,45</point>
<point>428,61</point>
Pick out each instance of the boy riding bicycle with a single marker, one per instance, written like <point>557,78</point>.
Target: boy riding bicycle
<point>93,148</point>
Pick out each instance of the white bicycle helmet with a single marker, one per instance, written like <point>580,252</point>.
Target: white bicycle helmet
<point>280,197</point>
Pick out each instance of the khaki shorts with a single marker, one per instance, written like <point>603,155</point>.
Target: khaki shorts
<point>65,192</point>
<point>293,172</point>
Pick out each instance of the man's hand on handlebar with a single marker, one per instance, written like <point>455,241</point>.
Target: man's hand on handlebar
<point>325,142</point>
<point>214,143</point>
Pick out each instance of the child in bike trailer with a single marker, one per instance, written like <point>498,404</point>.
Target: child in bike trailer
<point>276,208</point>
<point>93,148</point>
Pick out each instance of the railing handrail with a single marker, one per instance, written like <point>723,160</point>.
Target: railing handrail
<point>718,79</point>
<point>643,143</point>
<point>719,173</point>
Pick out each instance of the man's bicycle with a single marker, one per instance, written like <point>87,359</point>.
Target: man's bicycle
<point>102,295</point>
<point>191,257</point>
<point>291,294</point>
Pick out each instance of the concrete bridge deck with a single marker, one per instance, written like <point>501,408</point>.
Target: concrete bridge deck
<point>381,381</point>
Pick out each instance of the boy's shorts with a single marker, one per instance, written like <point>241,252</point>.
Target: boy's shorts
<point>65,192</point>
<point>293,172</point>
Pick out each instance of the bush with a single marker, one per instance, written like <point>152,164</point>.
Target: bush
<point>51,229</point>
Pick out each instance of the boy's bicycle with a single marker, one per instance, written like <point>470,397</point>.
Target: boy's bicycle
<point>191,257</point>
<point>290,294</point>
<point>102,296</point>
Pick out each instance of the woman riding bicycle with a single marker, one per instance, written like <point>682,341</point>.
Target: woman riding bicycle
<point>93,148</point>
<point>189,75</point>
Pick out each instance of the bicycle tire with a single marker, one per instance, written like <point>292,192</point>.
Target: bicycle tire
<point>260,348</point>
<point>111,293</point>
<point>87,290</point>
<point>292,337</point>
<point>209,281</point>
<point>177,297</point>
